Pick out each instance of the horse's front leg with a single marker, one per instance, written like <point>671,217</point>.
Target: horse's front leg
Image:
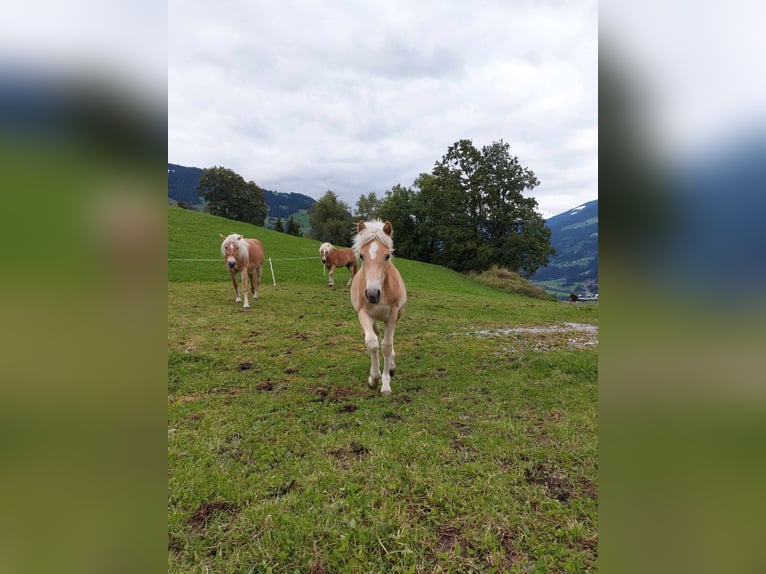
<point>350,274</point>
<point>371,341</point>
<point>236,287</point>
<point>244,288</point>
<point>389,357</point>
<point>331,274</point>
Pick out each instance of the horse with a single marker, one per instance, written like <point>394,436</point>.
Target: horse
<point>378,294</point>
<point>334,258</point>
<point>244,256</point>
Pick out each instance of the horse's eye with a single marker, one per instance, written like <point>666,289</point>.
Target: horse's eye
<point>361,257</point>
<point>388,256</point>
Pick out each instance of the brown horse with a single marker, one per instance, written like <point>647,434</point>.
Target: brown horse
<point>378,294</point>
<point>334,258</point>
<point>244,256</point>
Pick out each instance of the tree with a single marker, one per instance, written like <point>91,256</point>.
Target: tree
<point>292,227</point>
<point>401,206</point>
<point>475,210</point>
<point>367,207</point>
<point>331,220</point>
<point>228,195</point>
<point>279,225</point>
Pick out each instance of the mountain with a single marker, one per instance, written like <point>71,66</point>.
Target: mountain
<point>182,186</point>
<point>574,267</point>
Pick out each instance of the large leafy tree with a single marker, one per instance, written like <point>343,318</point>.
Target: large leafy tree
<point>477,214</point>
<point>402,207</point>
<point>228,195</point>
<point>367,207</point>
<point>331,220</point>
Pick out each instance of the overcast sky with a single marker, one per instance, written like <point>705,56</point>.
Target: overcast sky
<point>355,97</point>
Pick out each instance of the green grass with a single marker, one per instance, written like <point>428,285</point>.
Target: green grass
<point>280,459</point>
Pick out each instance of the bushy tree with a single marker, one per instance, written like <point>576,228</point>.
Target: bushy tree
<point>331,220</point>
<point>367,207</point>
<point>478,212</point>
<point>228,195</point>
<point>279,225</point>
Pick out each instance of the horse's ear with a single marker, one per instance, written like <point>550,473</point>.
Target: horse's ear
<point>388,229</point>
<point>239,238</point>
<point>222,236</point>
<point>359,226</point>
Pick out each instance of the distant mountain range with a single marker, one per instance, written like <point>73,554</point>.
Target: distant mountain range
<point>182,187</point>
<point>574,267</point>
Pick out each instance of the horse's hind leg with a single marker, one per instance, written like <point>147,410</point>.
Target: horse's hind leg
<point>258,271</point>
<point>351,269</point>
<point>252,284</point>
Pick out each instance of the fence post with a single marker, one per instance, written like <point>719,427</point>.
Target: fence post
<point>273,279</point>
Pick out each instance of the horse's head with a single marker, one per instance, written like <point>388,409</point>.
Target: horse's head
<point>374,244</point>
<point>324,251</point>
<point>230,249</point>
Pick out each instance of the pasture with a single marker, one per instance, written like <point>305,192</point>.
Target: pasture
<point>281,459</point>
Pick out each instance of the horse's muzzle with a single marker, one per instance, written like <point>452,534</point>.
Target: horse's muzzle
<point>372,295</point>
<point>231,263</point>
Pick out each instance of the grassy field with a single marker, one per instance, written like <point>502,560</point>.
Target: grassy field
<point>280,459</point>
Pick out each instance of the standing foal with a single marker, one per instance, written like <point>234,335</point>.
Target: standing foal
<point>244,256</point>
<point>378,294</point>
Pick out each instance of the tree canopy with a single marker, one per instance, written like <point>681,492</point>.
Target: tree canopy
<point>228,195</point>
<point>330,218</point>
<point>470,213</point>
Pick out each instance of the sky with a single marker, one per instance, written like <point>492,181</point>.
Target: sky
<point>356,97</point>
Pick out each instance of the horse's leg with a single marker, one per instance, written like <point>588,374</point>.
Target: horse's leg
<point>258,271</point>
<point>350,268</point>
<point>389,357</point>
<point>371,340</point>
<point>252,284</point>
<point>244,289</point>
<point>236,287</point>
<point>332,276</point>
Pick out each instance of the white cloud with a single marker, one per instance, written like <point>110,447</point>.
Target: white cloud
<point>355,98</point>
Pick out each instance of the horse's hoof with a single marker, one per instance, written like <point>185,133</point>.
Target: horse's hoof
<point>386,392</point>
<point>371,383</point>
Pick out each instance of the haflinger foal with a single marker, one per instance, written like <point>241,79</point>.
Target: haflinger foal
<point>378,294</point>
<point>333,258</point>
<point>246,257</point>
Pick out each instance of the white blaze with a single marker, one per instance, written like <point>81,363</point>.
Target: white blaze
<point>373,250</point>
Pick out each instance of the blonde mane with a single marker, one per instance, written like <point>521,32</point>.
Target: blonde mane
<point>326,247</point>
<point>241,244</point>
<point>372,230</point>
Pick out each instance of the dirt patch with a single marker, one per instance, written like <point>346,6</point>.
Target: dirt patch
<point>206,510</point>
<point>353,450</point>
<point>246,366</point>
<point>446,538</point>
<point>555,481</point>
<point>266,385</point>
<point>544,337</point>
<point>513,555</point>
<point>393,417</point>
<point>348,408</point>
<point>291,371</point>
